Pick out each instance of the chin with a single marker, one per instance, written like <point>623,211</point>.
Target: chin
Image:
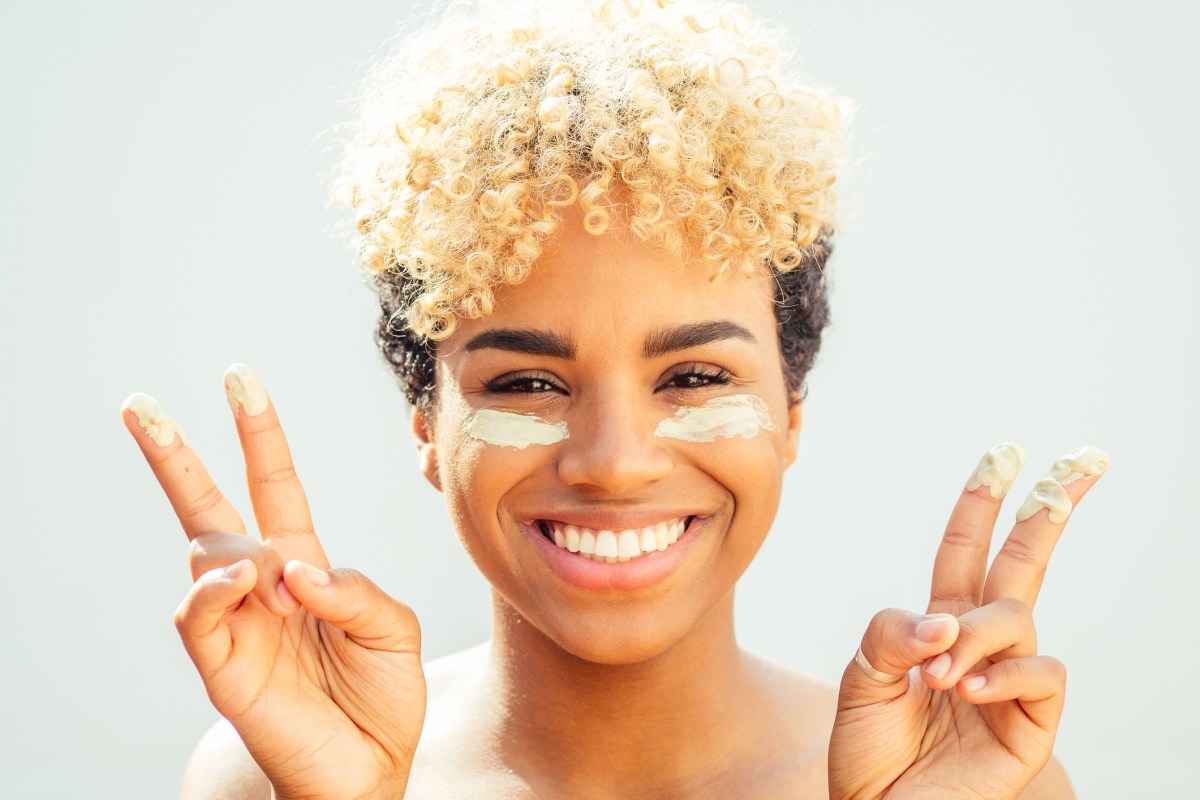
<point>619,637</point>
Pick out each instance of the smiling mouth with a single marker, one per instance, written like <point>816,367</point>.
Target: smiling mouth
<point>614,547</point>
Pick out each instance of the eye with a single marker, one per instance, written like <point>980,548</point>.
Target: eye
<point>697,376</point>
<point>524,383</point>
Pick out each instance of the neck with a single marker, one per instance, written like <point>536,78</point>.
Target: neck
<point>564,722</point>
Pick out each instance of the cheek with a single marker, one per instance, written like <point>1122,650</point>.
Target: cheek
<point>477,476</point>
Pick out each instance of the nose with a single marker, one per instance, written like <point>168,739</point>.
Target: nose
<point>615,450</point>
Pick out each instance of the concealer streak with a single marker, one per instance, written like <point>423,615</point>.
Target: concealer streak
<point>720,418</point>
<point>508,429</point>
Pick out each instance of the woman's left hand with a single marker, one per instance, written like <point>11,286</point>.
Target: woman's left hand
<point>979,718</point>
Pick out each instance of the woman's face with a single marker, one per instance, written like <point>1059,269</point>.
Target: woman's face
<point>659,396</point>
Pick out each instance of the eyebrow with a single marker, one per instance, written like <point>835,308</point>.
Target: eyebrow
<point>681,337</point>
<point>529,342</point>
<point>658,343</point>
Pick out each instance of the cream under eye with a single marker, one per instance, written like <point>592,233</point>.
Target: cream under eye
<point>723,417</point>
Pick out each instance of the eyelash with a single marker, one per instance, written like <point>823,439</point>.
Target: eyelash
<point>707,375</point>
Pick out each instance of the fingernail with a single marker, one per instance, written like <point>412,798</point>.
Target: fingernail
<point>243,390</point>
<point>158,426</point>
<point>997,469</point>
<point>228,573</point>
<point>973,683</point>
<point>286,596</point>
<point>932,628</point>
<point>317,577</point>
<point>939,666</point>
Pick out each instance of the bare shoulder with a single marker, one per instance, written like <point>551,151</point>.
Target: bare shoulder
<point>1050,784</point>
<point>221,769</point>
<point>796,718</point>
<point>454,757</point>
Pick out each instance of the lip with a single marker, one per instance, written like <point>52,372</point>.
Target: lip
<point>638,573</point>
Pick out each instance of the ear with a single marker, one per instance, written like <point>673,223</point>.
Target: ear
<point>793,431</point>
<point>426,449</point>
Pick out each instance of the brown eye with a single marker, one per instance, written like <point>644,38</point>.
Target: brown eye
<point>698,378</point>
<point>522,384</point>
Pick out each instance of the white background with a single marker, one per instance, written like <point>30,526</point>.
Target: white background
<point>1016,263</point>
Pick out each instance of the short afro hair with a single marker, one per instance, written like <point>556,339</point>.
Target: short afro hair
<point>476,130</point>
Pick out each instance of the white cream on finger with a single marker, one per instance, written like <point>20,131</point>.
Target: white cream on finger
<point>1049,492</point>
<point>509,429</point>
<point>997,469</point>
<point>1082,461</point>
<point>243,390</point>
<point>720,418</point>
<point>158,426</point>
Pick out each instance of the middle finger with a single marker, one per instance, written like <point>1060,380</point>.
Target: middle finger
<point>1020,567</point>
<point>280,505</point>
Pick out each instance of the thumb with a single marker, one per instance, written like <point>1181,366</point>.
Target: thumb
<point>895,642</point>
<point>349,600</point>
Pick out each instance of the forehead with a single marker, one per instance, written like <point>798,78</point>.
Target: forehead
<point>613,286</point>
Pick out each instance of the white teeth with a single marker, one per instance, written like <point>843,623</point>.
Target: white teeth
<point>648,543</point>
<point>606,544</point>
<point>662,536</point>
<point>614,547</point>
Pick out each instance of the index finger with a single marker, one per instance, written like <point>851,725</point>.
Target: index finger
<point>961,563</point>
<point>198,503</point>
<point>280,505</point>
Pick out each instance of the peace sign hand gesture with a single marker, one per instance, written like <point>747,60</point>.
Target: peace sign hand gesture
<point>318,670</point>
<point>979,719</point>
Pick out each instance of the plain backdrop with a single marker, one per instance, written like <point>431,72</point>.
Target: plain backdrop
<point>1016,262</point>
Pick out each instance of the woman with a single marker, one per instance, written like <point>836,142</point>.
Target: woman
<point>598,239</point>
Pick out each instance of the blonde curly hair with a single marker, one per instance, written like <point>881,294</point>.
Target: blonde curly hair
<point>475,132</point>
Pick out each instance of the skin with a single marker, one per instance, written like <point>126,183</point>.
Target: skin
<point>325,687</point>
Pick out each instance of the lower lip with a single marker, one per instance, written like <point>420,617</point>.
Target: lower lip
<point>636,573</point>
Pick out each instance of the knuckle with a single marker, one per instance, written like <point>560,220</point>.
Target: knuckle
<point>885,619</point>
<point>1015,606</point>
<point>966,537</point>
<point>955,598</point>
<point>1025,553</point>
<point>202,503</point>
<point>284,474</point>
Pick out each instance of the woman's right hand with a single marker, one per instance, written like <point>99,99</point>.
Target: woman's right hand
<point>318,669</point>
